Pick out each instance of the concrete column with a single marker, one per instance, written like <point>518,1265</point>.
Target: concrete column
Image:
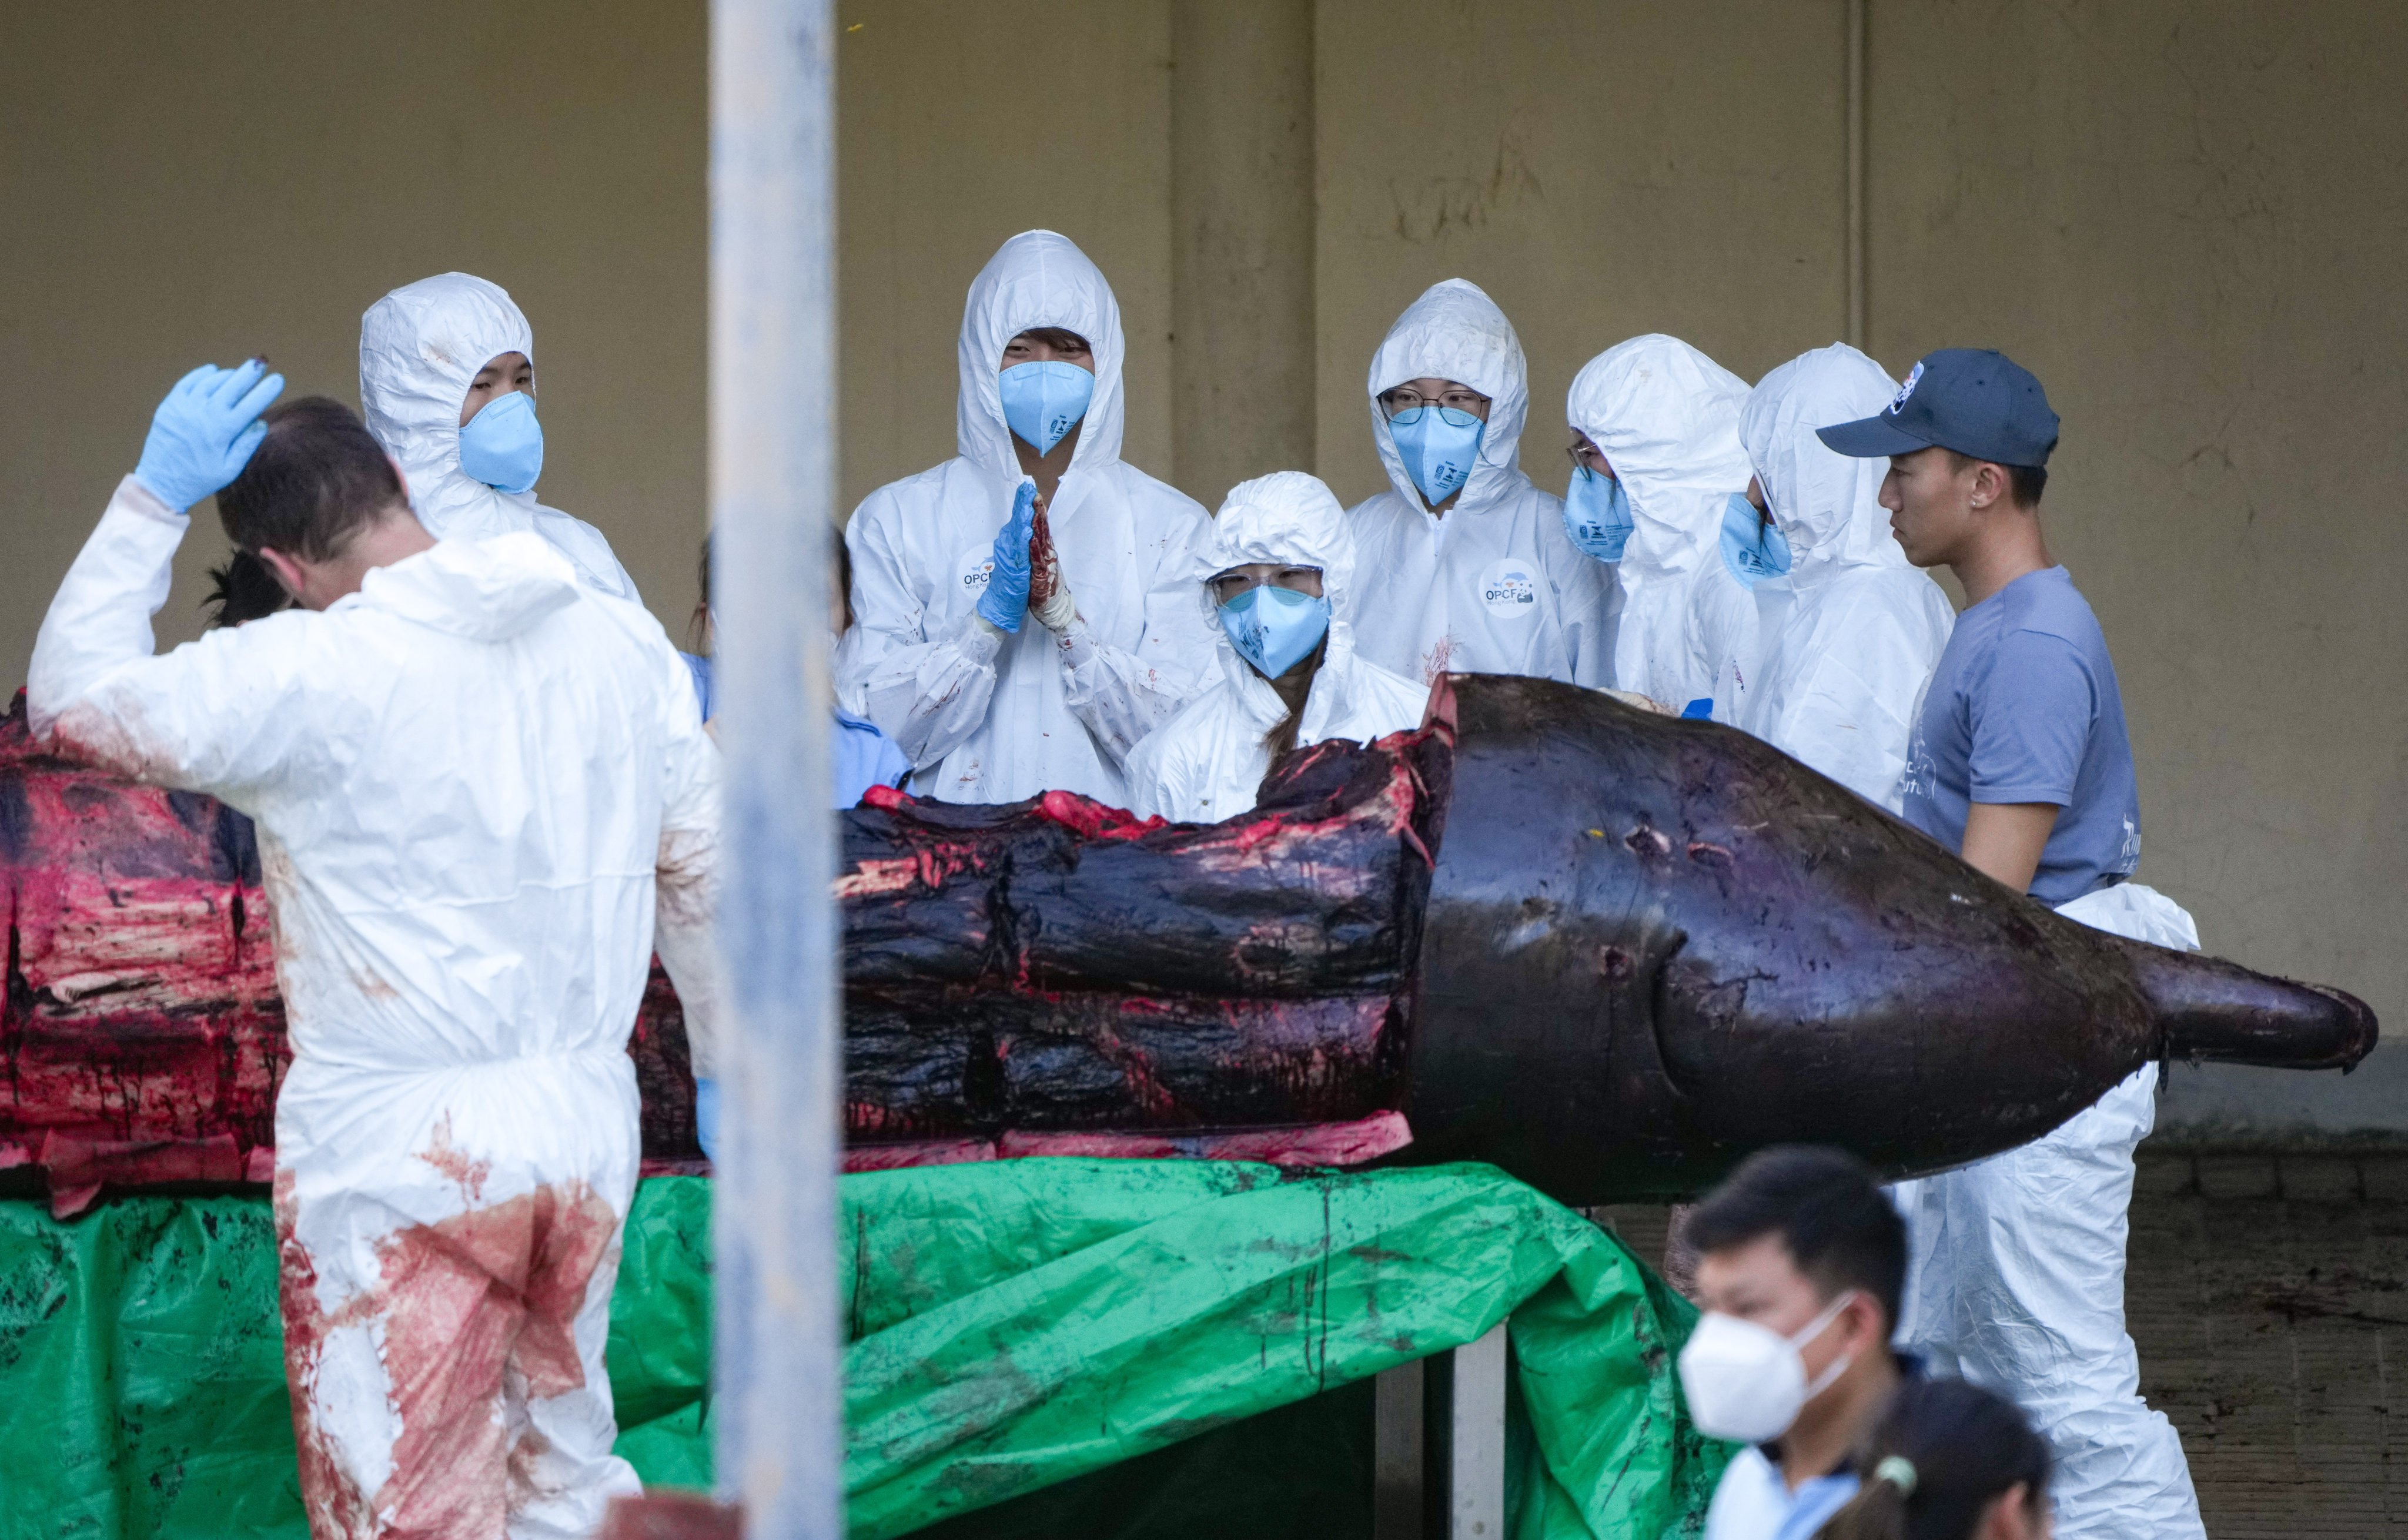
<point>1242,202</point>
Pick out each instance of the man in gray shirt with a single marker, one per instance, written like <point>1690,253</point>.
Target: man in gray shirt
<point>2020,762</point>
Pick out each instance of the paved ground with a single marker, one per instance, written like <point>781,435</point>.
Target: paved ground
<point>2269,1297</point>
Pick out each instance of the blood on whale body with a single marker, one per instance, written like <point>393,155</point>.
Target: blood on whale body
<point>1608,950</point>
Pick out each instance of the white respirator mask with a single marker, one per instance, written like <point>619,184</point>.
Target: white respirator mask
<point>1747,1383</point>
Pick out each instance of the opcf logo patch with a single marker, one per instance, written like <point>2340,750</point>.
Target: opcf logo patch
<point>976,566</point>
<point>1509,587</point>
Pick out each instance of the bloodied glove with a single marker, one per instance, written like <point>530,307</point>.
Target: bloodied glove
<point>1006,599</point>
<point>205,430</point>
<point>1049,594</point>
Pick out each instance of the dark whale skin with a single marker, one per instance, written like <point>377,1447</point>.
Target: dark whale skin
<point>1609,950</point>
<point>1654,944</point>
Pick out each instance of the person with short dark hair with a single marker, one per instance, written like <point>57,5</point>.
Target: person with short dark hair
<point>476,782</point>
<point>1799,1262</point>
<point>2020,762</point>
<point>1948,1461</point>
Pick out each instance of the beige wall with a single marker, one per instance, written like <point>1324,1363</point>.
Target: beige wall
<point>1601,170</point>
<point>2189,219</point>
<point>2186,217</point>
<point>188,182</point>
<point>962,125</point>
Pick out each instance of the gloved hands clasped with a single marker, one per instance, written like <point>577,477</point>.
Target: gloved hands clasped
<point>1026,578</point>
<point>1006,599</point>
<point>205,430</point>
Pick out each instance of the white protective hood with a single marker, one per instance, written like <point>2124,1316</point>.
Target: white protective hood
<point>1838,679</point>
<point>1667,420</point>
<point>1827,503</point>
<point>1037,279</point>
<point>420,350</point>
<point>1493,586</point>
<point>1455,332</point>
<point>1206,764</point>
<point>995,719</point>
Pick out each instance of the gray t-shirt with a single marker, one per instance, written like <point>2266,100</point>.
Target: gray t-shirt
<point>2024,708</point>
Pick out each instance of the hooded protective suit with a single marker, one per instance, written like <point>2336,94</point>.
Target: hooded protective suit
<point>988,717</point>
<point>1666,417</point>
<point>420,350</point>
<point>1495,586</point>
<point>2016,1281</point>
<point>1206,764</point>
<point>1838,672</point>
<point>470,781</point>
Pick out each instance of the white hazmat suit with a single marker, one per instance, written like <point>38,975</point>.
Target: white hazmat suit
<point>2015,1282</point>
<point>1856,631</point>
<point>1493,586</point>
<point>1206,764</point>
<point>1666,417</point>
<point>994,717</point>
<point>420,350</point>
<point>470,781</point>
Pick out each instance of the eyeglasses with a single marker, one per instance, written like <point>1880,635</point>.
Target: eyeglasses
<point>1229,585</point>
<point>1463,403</point>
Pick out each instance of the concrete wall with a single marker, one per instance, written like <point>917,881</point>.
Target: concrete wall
<point>2186,217</point>
<point>190,182</point>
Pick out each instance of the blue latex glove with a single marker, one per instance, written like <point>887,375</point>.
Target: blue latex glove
<point>204,433</point>
<point>706,1118</point>
<point>1005,603</point>
<point>1701,710</point>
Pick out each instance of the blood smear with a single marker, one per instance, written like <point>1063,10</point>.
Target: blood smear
<point>467,1304</point>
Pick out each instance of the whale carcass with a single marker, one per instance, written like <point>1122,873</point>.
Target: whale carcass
<point>1606,950</point>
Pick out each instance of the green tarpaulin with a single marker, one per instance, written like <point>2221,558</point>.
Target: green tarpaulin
<point>1012,1325</point>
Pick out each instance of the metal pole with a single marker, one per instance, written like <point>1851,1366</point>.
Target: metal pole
<point>777,1397</point>
<point>1860,302</point>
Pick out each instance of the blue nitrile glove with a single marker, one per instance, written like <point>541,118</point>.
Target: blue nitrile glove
<point>1701,710</point>
<point>203,434</point>
<point>1006,599</point>
<point>706,1118</point>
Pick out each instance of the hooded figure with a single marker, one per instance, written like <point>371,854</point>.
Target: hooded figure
<point>1206,764</point>
<point>1493,586</point>
<point>420,350</point>
<point>990,716</point>
<point>476,782</point>
<point>1837,680</point>
<point>1666,417</point>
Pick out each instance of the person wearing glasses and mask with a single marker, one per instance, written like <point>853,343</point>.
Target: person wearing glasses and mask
<point>1278,569</point>
<point>1465,565</point>
<point>1026,612</point>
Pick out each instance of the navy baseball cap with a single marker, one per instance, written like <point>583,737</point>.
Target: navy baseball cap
<point>1975,401</point>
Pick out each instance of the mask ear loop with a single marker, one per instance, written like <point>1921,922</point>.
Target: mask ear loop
<point>1815,1328</point>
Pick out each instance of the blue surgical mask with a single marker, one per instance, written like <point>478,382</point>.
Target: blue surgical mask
<point>1440,446</point>
<point>1043,401</point>
<point>1274,628</point>
<point>1596,514</point>
<point>502,446</point>
<point>1753,546</point>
